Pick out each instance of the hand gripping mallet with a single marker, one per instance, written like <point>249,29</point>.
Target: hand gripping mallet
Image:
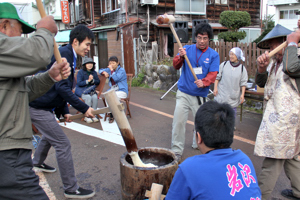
<point>169,19</point>
<point>56,51</point>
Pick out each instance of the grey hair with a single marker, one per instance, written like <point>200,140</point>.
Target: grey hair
<point>11,21</point>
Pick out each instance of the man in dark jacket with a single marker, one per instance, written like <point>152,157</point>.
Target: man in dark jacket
<point>41,112</point>
<point>20,57</point>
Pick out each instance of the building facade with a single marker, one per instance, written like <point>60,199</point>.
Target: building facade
<point>286,13</point>
<point>128,28</point>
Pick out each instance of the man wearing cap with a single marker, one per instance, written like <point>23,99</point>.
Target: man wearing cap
<point>87,81</point>
<point>41,113</point>
<point>20,57</point>
<point>278,135</point>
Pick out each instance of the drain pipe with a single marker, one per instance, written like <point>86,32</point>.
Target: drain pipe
<point>122,47</point>
<point>148,14</point>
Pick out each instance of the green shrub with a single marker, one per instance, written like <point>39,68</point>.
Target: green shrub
<point>234,20</point>
<point>232,36</point>
<point>166,61</point>
<point>138,80</point>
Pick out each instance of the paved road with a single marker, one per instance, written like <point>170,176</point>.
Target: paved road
<point>96,159</point>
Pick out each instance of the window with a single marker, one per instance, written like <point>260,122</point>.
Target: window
<point>110,5</point>
<point>208,2</point>
<point>288,14</point>
<point>197,7</point>
<point>221,2</point>
<point>74,11</point>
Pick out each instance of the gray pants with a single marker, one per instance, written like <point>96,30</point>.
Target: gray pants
<point>91,101</point>
<point>184,103</point>
<point>17,179</point>
<point>53,135</point>
<point>271,170</point>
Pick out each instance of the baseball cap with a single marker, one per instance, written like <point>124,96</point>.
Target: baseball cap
<point>9,11</point>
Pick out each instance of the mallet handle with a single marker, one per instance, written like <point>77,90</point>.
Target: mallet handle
<point>95,112</point>
<point>185,56</point>
<point>272,53</point>
<point>43,14</point>
<point>122,121</point>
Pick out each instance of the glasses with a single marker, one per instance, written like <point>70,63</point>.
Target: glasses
<point>205,39</point>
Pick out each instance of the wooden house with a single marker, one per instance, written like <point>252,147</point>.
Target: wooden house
<point>128,28</point>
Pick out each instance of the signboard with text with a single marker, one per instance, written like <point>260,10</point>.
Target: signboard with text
<point>65,16</point>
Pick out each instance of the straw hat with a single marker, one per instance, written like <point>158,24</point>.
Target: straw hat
<point>276,32</point>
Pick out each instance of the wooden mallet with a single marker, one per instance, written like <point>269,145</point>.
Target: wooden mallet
<point>56,51</point>
<point>155,192</point>
<point>94,112</point>
<point>125,129</point>
<point>169,19</point>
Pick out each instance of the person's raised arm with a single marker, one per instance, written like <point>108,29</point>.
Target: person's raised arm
<point>39,84</point>
<point>261,75</point>
<point>179,59</point>
<point>291,65</point>
<point>25,56</point>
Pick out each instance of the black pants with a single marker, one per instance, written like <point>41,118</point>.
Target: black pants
<point>17,179</point>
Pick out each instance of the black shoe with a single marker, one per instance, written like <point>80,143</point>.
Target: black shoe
<point>45,168</point>
<point>287,193</point>
<point>80,193</point>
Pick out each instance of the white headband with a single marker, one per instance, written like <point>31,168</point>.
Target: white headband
<point>238,52</point>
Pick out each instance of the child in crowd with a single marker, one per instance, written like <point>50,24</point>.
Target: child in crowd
<point>87,81</point>
<point>117,79</point>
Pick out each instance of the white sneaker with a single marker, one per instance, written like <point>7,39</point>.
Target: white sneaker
<point>95,119</point>
<point>88,120</point>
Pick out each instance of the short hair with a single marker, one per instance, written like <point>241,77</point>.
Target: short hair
<point>215,124</point>
<point>113,58</point>
<point>81,32</point>
<point>204,28</point>
<point>12,22</point>
<point>84,67</point>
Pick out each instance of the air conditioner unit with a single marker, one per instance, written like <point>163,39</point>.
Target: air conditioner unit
<point>151,2</point>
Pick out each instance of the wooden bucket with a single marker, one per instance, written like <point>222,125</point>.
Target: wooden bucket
<point>136,180</point>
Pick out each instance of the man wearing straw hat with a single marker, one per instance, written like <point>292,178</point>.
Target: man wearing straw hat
<point>20,57</point>
<point>278,135</point>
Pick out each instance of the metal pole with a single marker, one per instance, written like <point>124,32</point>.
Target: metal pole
<point>168,91</point>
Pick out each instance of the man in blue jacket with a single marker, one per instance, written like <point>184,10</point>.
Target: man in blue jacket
<point>41,113</point>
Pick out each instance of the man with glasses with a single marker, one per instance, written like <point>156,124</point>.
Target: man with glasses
<point>192,94</point>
